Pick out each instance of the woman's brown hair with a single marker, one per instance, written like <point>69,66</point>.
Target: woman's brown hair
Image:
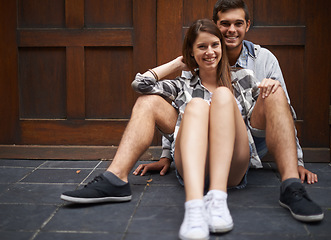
<point>205,25</point>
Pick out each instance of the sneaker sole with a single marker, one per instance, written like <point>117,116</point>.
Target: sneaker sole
<point>221,229</point>
<point>311,218</point>
<point>95,200</point>
<point>181,237</point>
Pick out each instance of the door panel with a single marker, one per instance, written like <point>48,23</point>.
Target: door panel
<point>278,13</point>
<point>108,91</point>
<point>76,64</point>
<point>41,14</point>
<point>42,85</point>
<point>108,14</point>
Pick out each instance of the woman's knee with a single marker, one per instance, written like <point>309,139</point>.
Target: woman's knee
<point>222,95</point>
<point>197,106</point>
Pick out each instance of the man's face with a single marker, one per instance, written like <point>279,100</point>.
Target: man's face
<point>233,26</point>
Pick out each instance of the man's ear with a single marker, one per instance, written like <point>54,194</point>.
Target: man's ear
<point>248,25</point>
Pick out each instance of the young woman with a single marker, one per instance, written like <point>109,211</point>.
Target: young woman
<point>210,140</point>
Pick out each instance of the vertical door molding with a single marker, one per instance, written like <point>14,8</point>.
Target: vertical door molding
<point>8,73</point>
<point>317,75</point>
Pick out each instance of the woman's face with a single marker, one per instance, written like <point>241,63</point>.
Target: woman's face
<point>207,51</point>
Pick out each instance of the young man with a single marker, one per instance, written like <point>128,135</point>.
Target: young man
<point>151,111</point>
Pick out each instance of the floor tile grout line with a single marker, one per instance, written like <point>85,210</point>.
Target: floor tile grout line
<point>307,230</point>
<point>65,168</point>
<point>35,169</point>
<point>90,173</point>
<point>28,204</point>
<point>134,212</point>
<point>17,167</point>
<point>57,209</point>
<point>43,183</point>
<point>275,171</point>
<point>13,183</point>
<point>45,222</point>
<point>77,231</point>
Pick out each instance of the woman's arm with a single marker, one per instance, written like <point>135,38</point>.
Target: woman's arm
<point>166,69</point>
<point>148,83</point>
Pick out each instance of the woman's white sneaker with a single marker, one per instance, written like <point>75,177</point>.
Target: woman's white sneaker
<point>218,214</point>
<point>194,225</point>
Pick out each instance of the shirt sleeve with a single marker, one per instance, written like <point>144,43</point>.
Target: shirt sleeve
<point>273,70</point>
<point>166,148</point>
<point>147,85</point>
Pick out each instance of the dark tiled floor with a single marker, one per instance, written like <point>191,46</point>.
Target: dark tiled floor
<point>30,205</point>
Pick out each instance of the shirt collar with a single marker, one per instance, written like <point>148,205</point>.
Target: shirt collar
<point>195,80</point>
<point>242,59</point>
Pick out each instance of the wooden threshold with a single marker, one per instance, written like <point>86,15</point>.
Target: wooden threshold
<point>68,152</point>
<point>107,153</point>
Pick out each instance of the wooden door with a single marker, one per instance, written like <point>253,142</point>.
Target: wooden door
<point>66,67</point>
<point>75,61</point>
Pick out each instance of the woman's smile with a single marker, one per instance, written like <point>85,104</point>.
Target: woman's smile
<point>210,60</point>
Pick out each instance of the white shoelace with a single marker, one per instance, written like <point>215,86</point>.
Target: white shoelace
<point>195,216</point>
<point>216,206</point>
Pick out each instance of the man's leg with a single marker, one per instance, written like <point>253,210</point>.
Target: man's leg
<point>149,111</point>
<point>273,114</point>
<point>112,185</point>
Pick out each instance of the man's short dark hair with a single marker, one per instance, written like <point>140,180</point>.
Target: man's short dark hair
<point>225,5</point>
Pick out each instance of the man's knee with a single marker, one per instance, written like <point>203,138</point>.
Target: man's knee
<point>148,103</point>
<point>266,106</point>
<point>156,108</point>
<point>149,99</point>
<point>277,98</point>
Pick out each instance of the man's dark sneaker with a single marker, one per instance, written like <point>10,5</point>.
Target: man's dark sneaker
<point>302,208</point>
<point>99,190</point>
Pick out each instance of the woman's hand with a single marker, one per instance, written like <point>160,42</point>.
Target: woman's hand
<point>181,65</point>
<point>311,177</point>
<point>162,165</point>
<point>164,70</point>
<point>268,86</point>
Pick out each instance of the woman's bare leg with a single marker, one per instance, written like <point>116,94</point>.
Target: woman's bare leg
<point>229,149</point>
<point>191,147</point>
